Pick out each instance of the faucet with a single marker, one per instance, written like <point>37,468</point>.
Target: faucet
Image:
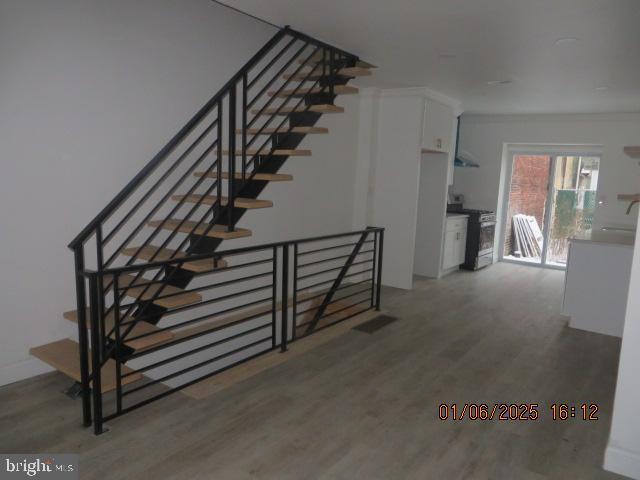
<point>631,206</point>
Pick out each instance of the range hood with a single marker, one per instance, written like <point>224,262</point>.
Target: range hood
<point>463,159</point>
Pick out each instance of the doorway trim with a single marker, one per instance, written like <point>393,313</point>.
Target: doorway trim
<point>552,150</point>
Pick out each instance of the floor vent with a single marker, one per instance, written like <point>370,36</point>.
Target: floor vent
<point>376,324</point>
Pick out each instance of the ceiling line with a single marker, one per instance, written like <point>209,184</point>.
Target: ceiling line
<point>247,14</point>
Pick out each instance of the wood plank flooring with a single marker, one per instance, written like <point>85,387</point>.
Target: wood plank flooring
<point>365,406</point>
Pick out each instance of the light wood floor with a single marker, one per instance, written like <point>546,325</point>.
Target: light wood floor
<point>365,406</point>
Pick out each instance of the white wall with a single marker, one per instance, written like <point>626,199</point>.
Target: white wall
<point>89,92</point>
<point>432,207</point>
<point>485,137</point>
<point>623,451</point>
<point>394,201</point>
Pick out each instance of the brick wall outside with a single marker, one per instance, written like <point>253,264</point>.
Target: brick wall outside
<point>529,186</point>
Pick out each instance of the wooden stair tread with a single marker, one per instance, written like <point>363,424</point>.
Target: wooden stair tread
<point>217,231</point>
<point>320,58</point>
<point>147,292</point>
<point>632,151</point>
<point>248,203</point>
<point>64,356</point>
<point>277,151</point>
<point>272,130</point>
<point>198,266</point>
<point>321,108</point>
<point>140,328</point>
<point>316,73</point>
<point>265,177</point>
<point>337,89</point>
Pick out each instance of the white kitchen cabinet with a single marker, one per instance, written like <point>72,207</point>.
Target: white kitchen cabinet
<point>455,241</point>
<point>439,132</point>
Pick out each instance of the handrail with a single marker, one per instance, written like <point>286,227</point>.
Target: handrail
<point>226,253</point>
<point>173,143</point>
<point>150,167</point>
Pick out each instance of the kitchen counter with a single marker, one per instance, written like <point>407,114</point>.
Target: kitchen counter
<point>609,237</point>
<point>597,281</point>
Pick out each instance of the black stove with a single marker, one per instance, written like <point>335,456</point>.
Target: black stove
<point>480,236</point>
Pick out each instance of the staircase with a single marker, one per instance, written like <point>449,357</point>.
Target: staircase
<point>159,306</point>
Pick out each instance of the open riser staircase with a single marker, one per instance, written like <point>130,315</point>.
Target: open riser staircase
<point>159,306</point>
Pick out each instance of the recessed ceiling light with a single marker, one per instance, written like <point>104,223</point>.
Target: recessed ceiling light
<point>602,88</point>
<point>495,83</point>
<point>566,40</point>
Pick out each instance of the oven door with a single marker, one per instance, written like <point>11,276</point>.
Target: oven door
<point>487,234</point>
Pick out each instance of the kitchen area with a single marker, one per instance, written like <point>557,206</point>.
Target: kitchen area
<point>581,222</point>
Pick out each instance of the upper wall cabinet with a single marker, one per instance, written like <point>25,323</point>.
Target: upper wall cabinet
<point>439,132</point>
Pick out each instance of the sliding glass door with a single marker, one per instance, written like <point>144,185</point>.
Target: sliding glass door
<point>551,198</point>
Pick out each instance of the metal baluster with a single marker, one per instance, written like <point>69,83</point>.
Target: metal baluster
<point>285,298</point>
<point>274,295</point>
<point>219,156</point>
<point>379,286</point>
<point>100,267</point>
<point>118,339</point>
<point>373,270</point>
<point>294,311</point>
<point>83,337</point>
<point>332,60</point>
<point>244,127</point>
<point>232,157</point>
<point>96,365</point>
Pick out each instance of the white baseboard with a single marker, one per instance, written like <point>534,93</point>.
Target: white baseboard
<point>22,370</point>
<point>623,462</point>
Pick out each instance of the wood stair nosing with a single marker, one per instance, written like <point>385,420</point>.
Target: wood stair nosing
<point>301,92</point>
<point>64,356</point>
<point>197,266</point>
<point>298,130</point>
<point>217,231</point>
<point>247,203</point>
<point>316,73</point>
<point>319,108</point>
<point>320,58</point>
<point>140,328</point>
<point>277,151</point>
<point>264,177</point>
<point>169,296</point>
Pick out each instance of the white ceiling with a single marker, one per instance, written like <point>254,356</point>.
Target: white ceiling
<point>456,46</point>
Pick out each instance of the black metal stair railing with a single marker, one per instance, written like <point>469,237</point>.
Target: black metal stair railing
<point>242,313</point>
<point>248,106</point>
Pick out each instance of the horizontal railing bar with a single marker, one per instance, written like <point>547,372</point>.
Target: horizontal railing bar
<point>195,350</point>
<point>226,253</point>
<point>350,285</point>
<point>272,62</point>
<point>198,289</point>
<point>334,312</point>
<point>368,289</point>
<point>309,252</point>
<point>204,302</point>
<point>315,274</point>
<point>231,267</point>
<point>302,265</point>
<point>169,171</point>
<point>216,328</point>
<point>335,322</point>
<point>332,280</point>
<point>166,393</point>
<point>196,366</point>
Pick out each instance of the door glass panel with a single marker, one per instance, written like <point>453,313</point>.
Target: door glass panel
<point>573,203</point>
<point>524,239</point>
